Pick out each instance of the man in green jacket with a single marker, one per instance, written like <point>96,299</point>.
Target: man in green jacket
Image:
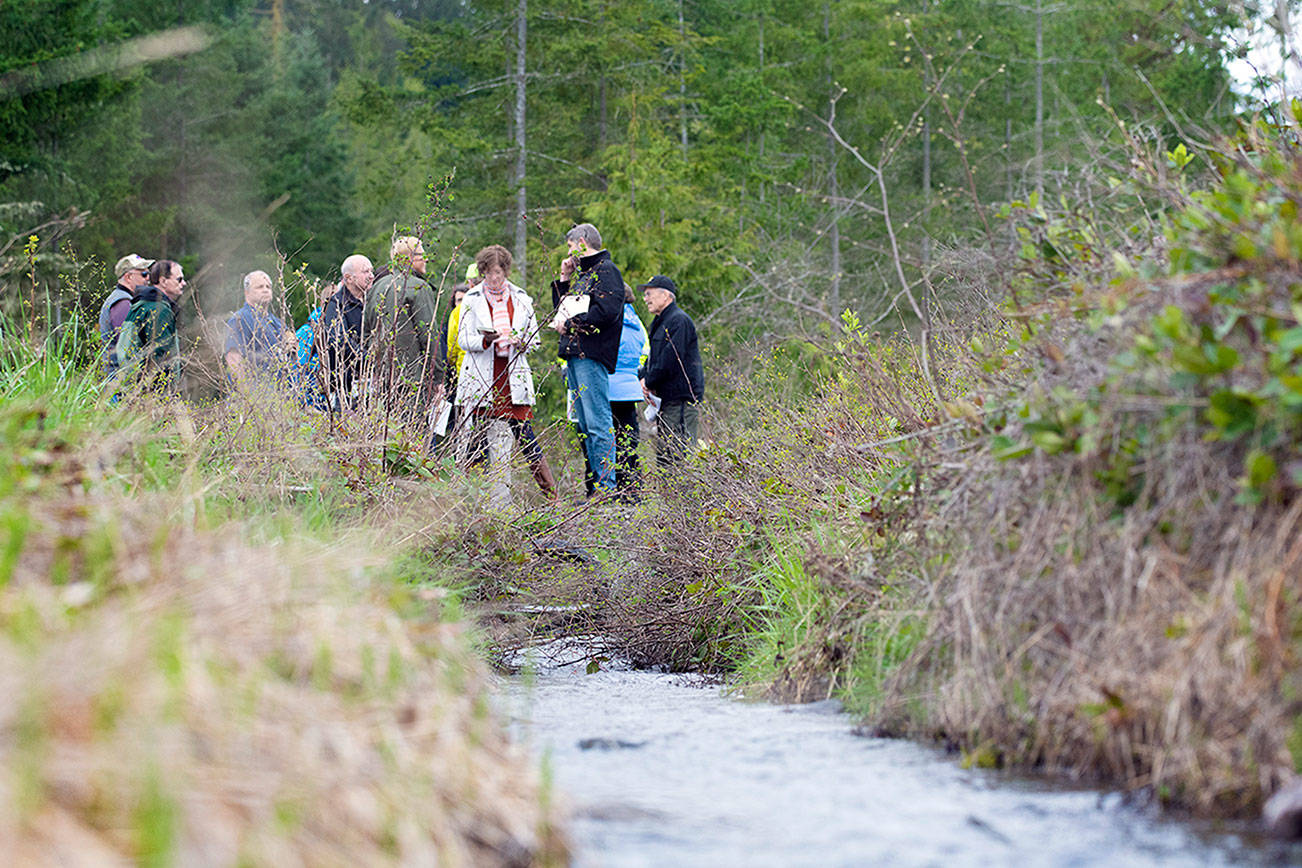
<point>149,339</point>
<point>400,334</point>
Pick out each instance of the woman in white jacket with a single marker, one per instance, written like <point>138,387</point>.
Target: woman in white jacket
<point>497,328</point>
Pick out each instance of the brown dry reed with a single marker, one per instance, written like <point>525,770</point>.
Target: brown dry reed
<point>184,689</point>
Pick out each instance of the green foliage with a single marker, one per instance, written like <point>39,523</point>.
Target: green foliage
<point>698,145</point>
<point>1226,352</point>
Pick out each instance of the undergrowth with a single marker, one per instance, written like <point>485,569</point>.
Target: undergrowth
<point>217,648</point>
<point>1057,533</point>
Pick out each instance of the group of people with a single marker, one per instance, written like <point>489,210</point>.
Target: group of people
<point>468,382</point>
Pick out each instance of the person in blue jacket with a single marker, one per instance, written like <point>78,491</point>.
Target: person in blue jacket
<point>625,392</point>
<point>307,382</point>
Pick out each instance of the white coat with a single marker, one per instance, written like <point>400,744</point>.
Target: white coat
<point>475,380</point>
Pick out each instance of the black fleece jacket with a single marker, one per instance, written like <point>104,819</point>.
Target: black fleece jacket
<point>595,334</point>
<point>673,370</point>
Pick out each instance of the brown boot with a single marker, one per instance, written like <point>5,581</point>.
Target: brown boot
<point>542,474</point>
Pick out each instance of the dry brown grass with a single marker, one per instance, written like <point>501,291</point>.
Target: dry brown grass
<point>1152,646</point>
<point>1154,649</point>
<point>183,694</point>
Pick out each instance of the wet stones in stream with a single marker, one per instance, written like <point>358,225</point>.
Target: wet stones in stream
<point>609,744</point>
<point>1282,814</point>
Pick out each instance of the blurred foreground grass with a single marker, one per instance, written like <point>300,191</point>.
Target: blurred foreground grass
<point>208,654</point>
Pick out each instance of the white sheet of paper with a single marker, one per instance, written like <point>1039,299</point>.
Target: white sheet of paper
<point>444,416</point>
<point>573,305</point>
<point>652,409</point>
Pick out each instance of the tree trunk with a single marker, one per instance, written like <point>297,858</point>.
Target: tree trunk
<point>682,80</point>
<point>1039,97</point>
<point>926,161</point>
<point>834,190</point>
<point>761,71</point>
<point>601,91</point>
<point>1008,134</point>
<point>521,199</point>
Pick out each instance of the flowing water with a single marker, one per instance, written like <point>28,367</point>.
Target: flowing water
<point>659,770</point>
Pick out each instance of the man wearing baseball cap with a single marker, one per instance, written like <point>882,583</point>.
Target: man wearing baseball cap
<point>132,272</point>
<point>673,371</point>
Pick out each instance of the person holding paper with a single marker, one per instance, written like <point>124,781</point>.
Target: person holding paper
<point>673,372</point>
<point>495,329</point>
<point>589,300</point>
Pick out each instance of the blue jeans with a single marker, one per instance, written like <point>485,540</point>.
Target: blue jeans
<point>590,383</point>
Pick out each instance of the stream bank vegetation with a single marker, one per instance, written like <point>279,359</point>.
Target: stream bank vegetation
<point>216,647</point>
<point>1057,531</point>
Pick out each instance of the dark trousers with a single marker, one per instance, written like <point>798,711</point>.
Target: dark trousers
<point>589,478</point>
<point>627,473</point>
<point>677,426</point>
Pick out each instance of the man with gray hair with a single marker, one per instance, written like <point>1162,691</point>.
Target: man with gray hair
<point>400,328</point>
<point>589,299</point>
<point>341,329</point>
<point>257,342</point>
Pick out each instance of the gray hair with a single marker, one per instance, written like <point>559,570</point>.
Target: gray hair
<point>248,278</point>
<point>354,263</point>
<point>587,233</point>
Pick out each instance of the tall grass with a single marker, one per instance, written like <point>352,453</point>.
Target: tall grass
<point>212,650</point>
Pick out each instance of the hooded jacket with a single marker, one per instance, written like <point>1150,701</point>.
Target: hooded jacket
<point>149,333</point>
<point>633,348</point>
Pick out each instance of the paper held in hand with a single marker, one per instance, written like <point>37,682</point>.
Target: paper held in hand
<point>571,305</point>
<point>442,415</point>
<point>652,408</point>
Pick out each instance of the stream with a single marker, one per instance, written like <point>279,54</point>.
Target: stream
<point>659,770</point>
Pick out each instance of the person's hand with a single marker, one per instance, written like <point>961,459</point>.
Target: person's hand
<point>568,264</point>
<point>289,342</point>
<point>646,393</point>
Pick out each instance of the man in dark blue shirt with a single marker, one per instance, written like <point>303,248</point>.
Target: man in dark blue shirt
<point>258,344</point>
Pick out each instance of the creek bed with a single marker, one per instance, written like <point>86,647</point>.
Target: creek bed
<point>659,770</point>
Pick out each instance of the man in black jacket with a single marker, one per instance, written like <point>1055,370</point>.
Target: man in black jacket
<point>340,330</point>
<point>673,371</point>
<point>589,299</point>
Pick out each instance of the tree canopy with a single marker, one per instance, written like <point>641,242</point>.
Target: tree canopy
<point>781,160</point>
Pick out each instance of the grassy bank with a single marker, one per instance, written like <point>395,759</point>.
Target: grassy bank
<point>1059,532</point>
<point>1056,530</point>
<point>214,650</point>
